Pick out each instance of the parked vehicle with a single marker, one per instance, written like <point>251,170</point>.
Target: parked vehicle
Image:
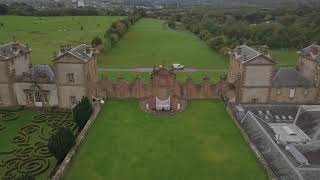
<point>177,67</point>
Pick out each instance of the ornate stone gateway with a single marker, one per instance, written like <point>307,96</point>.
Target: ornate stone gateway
<point>163,105</point>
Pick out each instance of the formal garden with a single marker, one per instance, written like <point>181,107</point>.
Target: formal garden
<point>200,143</point>
<point>34,143</point>
<point>24,139</point>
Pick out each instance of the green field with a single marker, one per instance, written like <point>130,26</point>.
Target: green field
<point>149,42</point>
<point>45,35</point>
<point>201,143</point>
<point>285,57</point>
<point>23,142</point>
<point>197,77</point>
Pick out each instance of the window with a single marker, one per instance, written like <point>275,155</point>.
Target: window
<point>29,97</point>
<point>316,76</point>
<point>38,96</point>
<point>72,100</point>
<point>45,97</point>
<point>306,92</point>
<point>318,66</point>
<point>254,100</point>
<point>70,78</point>
<point>278,91</point>
<point>292,93</point>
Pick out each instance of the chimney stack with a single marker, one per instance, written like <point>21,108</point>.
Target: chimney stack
<point>238,50</point>
<point>315,50</point>
<point>264,50</point>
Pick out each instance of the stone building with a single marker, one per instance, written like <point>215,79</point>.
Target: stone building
<point>258,80</point>
<point>70,78</point>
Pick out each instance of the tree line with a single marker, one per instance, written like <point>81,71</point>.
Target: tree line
<point>277,28</point>
<point>116,31</point>
<point>23,9</point>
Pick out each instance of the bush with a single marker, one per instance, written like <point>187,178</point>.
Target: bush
<point>96,41</point>
<point>60,143</point>
<point>82,112</point>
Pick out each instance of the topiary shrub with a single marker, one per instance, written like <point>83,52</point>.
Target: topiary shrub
<point>82,112</point>
<point>60,143</point>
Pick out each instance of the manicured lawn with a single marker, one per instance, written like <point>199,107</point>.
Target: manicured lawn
<point>285,57</point>
<point>150,43</point>
<point>45,35</point>
<point>23,142</point>
<point>201,143</point>
<point>197,77</point>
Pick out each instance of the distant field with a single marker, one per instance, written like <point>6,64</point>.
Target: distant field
<point>285,57</point>
<point>150,43</point>
<point>197,77</point>
<point>201,143</point>
<point>45,35</point>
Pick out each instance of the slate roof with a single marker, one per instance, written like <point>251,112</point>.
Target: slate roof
<point>245,53</point>
<point>83,51</point>
<point>8,51</point>
<point>308,52</point>
<point>289,78</point>
<point>40,71</point>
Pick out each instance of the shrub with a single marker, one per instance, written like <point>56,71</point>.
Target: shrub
<point>96,41</point>
<point>82,112</point>
<point>60,143</point>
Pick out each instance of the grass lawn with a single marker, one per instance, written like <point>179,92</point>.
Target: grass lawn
<point>197,77</point>
<point>201,143</point>
<point>45,35</point>
<point>285,57</point>
<point>150,42</point>
<point>23,142</point>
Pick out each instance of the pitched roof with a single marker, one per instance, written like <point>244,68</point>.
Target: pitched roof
<point>12,49</point>
<point>289,78</point>
<point>40,71</point>
<point>308,52</point>
<point>82,52</point>
<point>244,53</point>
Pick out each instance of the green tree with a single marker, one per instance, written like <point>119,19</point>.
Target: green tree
<point>96,41</point>
<point>60,143</point>
<point>4,9</point>
<point>82,112</point>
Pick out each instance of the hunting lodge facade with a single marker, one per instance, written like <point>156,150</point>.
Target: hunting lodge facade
<point>257,79</point>
<point>253,78</point>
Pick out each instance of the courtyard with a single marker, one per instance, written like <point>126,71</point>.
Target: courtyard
<point>200,143</point>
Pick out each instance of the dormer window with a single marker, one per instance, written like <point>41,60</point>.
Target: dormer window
<point>70,78</point>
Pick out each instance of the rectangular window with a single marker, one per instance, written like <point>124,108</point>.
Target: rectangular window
<point>292,93</point>
<point>45,97</point>
<point>29,97</point>
<point>72,100</point>
<point>70,78</point>
<point>38,96</point>
<point>306,92</point>
<point>278,91</point>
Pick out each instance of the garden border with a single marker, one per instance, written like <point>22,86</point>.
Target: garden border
<point>67,160</point>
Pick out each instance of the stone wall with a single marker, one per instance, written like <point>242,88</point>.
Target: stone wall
<point>81,137</point>
<point>187,90</point>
